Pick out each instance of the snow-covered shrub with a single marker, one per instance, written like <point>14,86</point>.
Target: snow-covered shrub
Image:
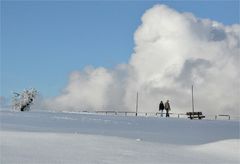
<point>22,101</point>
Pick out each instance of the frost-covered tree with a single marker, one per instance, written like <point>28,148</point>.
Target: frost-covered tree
<point>22,101</point>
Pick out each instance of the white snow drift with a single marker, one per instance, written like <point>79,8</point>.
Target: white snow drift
<point>44,137</point>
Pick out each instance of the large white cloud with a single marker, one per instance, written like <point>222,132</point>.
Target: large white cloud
<point>92,89</point>
<point>172,51</point>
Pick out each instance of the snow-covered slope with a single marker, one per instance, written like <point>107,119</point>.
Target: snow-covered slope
<point>47,137</point>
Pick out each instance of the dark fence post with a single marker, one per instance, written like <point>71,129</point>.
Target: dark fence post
<point>137,104</point>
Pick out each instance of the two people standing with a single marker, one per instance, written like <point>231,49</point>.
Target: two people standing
<point>165,106</point>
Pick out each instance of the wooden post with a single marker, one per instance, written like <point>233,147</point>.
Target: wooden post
<point>192,100</point>
<point>137,104</point>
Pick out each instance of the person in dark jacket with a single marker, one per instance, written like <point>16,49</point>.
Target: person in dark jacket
<point>167,108</point>
<point>161,108</point>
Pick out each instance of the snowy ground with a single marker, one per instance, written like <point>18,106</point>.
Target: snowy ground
<point>47,137</point>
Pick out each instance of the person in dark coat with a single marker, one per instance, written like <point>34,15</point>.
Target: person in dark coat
<point>161,108</point>
<point>167,108</point>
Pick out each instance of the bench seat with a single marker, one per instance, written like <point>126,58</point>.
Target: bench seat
<point>193,115</point>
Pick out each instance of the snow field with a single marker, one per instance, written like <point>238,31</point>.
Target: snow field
<point>45,137</point>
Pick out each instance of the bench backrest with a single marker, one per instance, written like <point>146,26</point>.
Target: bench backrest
<point>194,113</point>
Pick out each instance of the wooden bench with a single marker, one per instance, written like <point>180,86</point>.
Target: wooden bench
<point>193,115</point>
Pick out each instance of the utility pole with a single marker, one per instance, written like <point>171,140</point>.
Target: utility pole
<point>137,104</point>
<point>192,100</point>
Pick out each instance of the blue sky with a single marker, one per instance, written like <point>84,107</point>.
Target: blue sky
<point>42,42</point>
